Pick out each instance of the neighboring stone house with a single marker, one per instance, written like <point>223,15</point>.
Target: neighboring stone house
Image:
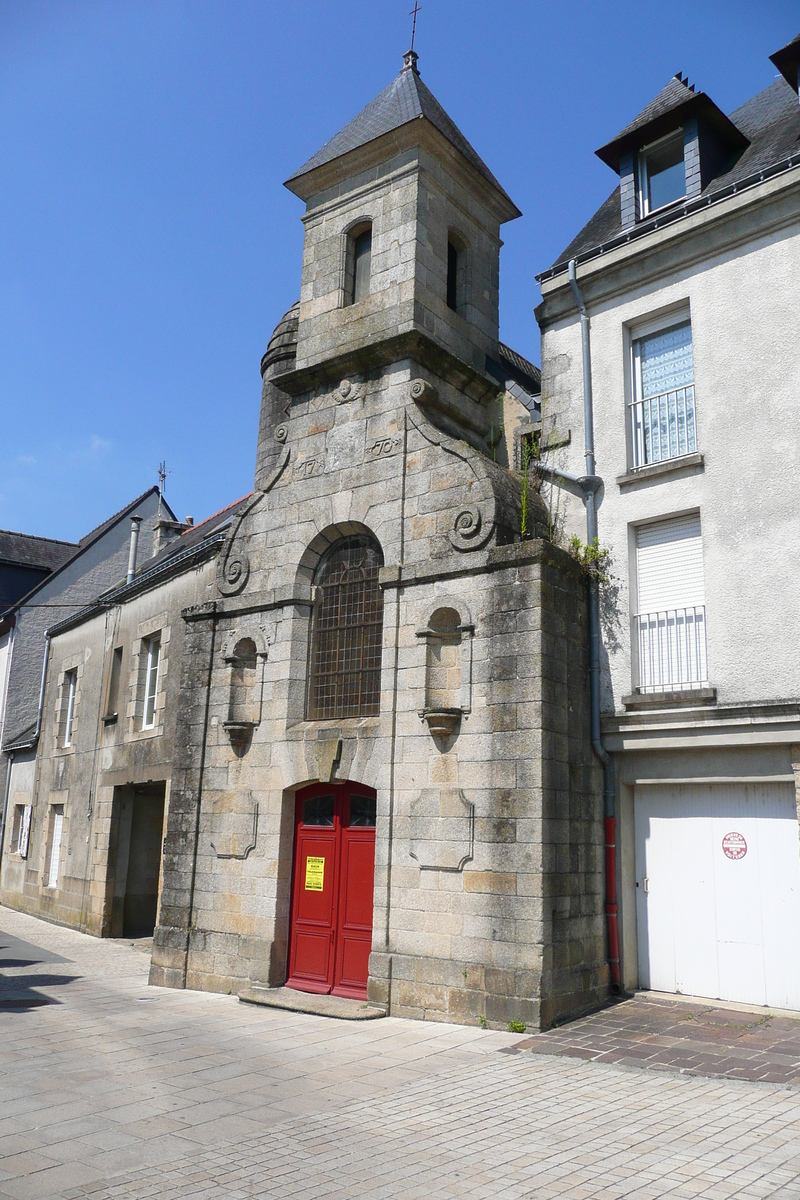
<point>25,561</point>
<point>99,561</point>
<point>84,846</point>
<point>690,278</point>
<point>383,783</point>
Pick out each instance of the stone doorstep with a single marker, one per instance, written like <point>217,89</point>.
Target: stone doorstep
<point>308,1002</point>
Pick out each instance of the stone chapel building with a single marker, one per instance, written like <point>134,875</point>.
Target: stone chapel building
<point>354,706</point>
<point>383,784</point>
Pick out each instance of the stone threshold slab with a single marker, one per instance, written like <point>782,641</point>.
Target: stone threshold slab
<point>308,1002</point>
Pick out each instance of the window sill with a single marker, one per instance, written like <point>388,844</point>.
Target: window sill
<point>690,698</point>
<point>110,718</point>
<point>688,463</point>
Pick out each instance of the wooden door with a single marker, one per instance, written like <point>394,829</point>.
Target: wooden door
<point>334,863</point>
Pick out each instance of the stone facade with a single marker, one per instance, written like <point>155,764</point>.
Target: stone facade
<point>375,416</point>
<point>110,759</point>
<point>387,419</point>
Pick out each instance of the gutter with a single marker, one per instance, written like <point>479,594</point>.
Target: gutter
<point>588,485</point>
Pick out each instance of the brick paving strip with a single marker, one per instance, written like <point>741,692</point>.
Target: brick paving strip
<point>111,1090</point>
<point>697,1038</point>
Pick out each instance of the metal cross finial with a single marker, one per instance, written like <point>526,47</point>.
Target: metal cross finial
<point>413,14</point>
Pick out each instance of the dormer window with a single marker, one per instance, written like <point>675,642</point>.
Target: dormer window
<point>662,174</point>
<point>359,262</point>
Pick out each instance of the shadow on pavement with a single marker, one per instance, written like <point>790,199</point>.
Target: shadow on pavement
<point>18,993</point>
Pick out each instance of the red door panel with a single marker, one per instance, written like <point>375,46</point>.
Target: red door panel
<point>311,956</point>
<point>355,913</point>
<point>334,866</point>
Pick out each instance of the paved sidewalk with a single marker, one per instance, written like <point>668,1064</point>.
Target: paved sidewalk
<point>664,1034</point>
<point>114,1089</point>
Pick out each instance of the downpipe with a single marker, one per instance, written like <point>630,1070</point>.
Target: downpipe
<point>588,485</point>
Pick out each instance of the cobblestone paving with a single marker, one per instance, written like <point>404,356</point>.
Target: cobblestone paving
<point>664,1034</point>
<point>114,1089</point>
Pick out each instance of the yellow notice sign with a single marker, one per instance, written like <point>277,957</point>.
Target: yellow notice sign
<point>315,874</point>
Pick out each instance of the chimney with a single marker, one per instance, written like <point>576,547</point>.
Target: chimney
<point>165,531</point>
<point>135,523</point>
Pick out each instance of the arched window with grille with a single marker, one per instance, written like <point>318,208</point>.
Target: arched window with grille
<point>346,632</point>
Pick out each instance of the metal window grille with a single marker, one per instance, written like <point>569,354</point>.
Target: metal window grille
<point>345,675</point>
<point>663,407</point>
<point>672,649</point>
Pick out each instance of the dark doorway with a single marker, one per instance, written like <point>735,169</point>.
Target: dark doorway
<point>334,866</point>
<point>137,834</point>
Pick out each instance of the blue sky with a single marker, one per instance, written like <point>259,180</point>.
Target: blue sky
<point>148,247</point>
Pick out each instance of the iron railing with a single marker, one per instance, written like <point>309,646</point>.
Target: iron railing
<point>671,649</point>
<point>663,426</point>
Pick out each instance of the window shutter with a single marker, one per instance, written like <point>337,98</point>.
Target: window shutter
<point>25,831</point>
<point>669,564</point>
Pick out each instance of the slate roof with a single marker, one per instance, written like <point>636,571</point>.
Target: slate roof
<point>98,532</point>
<point>188,548</point>
<point>771,122</point>
<point>193,536</point>
<point>520,369</point>
<point>674,103</point>
<point>405,99</point>
<point>673,95</point>
<point>26,550</point>
<point>787,60</point>
<point>88,540</point>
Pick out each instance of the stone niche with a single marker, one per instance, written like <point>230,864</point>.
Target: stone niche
<point>448,668</point>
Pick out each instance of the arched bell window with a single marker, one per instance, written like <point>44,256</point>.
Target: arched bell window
<point>358,266</point>
<point>346,632</point>
<point>457,285</point>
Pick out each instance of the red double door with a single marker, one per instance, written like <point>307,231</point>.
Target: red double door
<point>334,868</point>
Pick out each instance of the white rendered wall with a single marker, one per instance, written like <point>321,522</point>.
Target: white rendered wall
<point>744,303</point>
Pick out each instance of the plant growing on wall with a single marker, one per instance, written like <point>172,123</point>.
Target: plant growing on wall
<point>594,559</point>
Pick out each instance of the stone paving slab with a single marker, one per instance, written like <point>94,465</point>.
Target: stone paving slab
<point>672,1034</point>
<point>112,1090</point>
<point>307,1002</point>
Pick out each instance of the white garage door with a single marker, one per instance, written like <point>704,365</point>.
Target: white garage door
<point>718,891</point>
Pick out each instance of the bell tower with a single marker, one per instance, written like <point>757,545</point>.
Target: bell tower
<point>402,242</point>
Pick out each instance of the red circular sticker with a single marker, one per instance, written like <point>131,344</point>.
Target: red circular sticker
<point>734,845</point>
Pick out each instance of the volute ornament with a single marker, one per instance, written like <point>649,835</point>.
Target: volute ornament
<point>235,574</point>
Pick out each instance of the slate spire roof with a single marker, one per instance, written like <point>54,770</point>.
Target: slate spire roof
<point>405,99</point>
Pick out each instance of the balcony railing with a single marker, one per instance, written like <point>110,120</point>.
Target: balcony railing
<point>672,649</point>
<point>663,426</point>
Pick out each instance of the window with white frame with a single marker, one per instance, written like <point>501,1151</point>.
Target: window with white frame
<point>56,830</point>
<point>152,661</point>
<point>669,624</point>
<point>68,697</point>
<point>662,408</point>
<point>20,830</point>
<point>662,173</point>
